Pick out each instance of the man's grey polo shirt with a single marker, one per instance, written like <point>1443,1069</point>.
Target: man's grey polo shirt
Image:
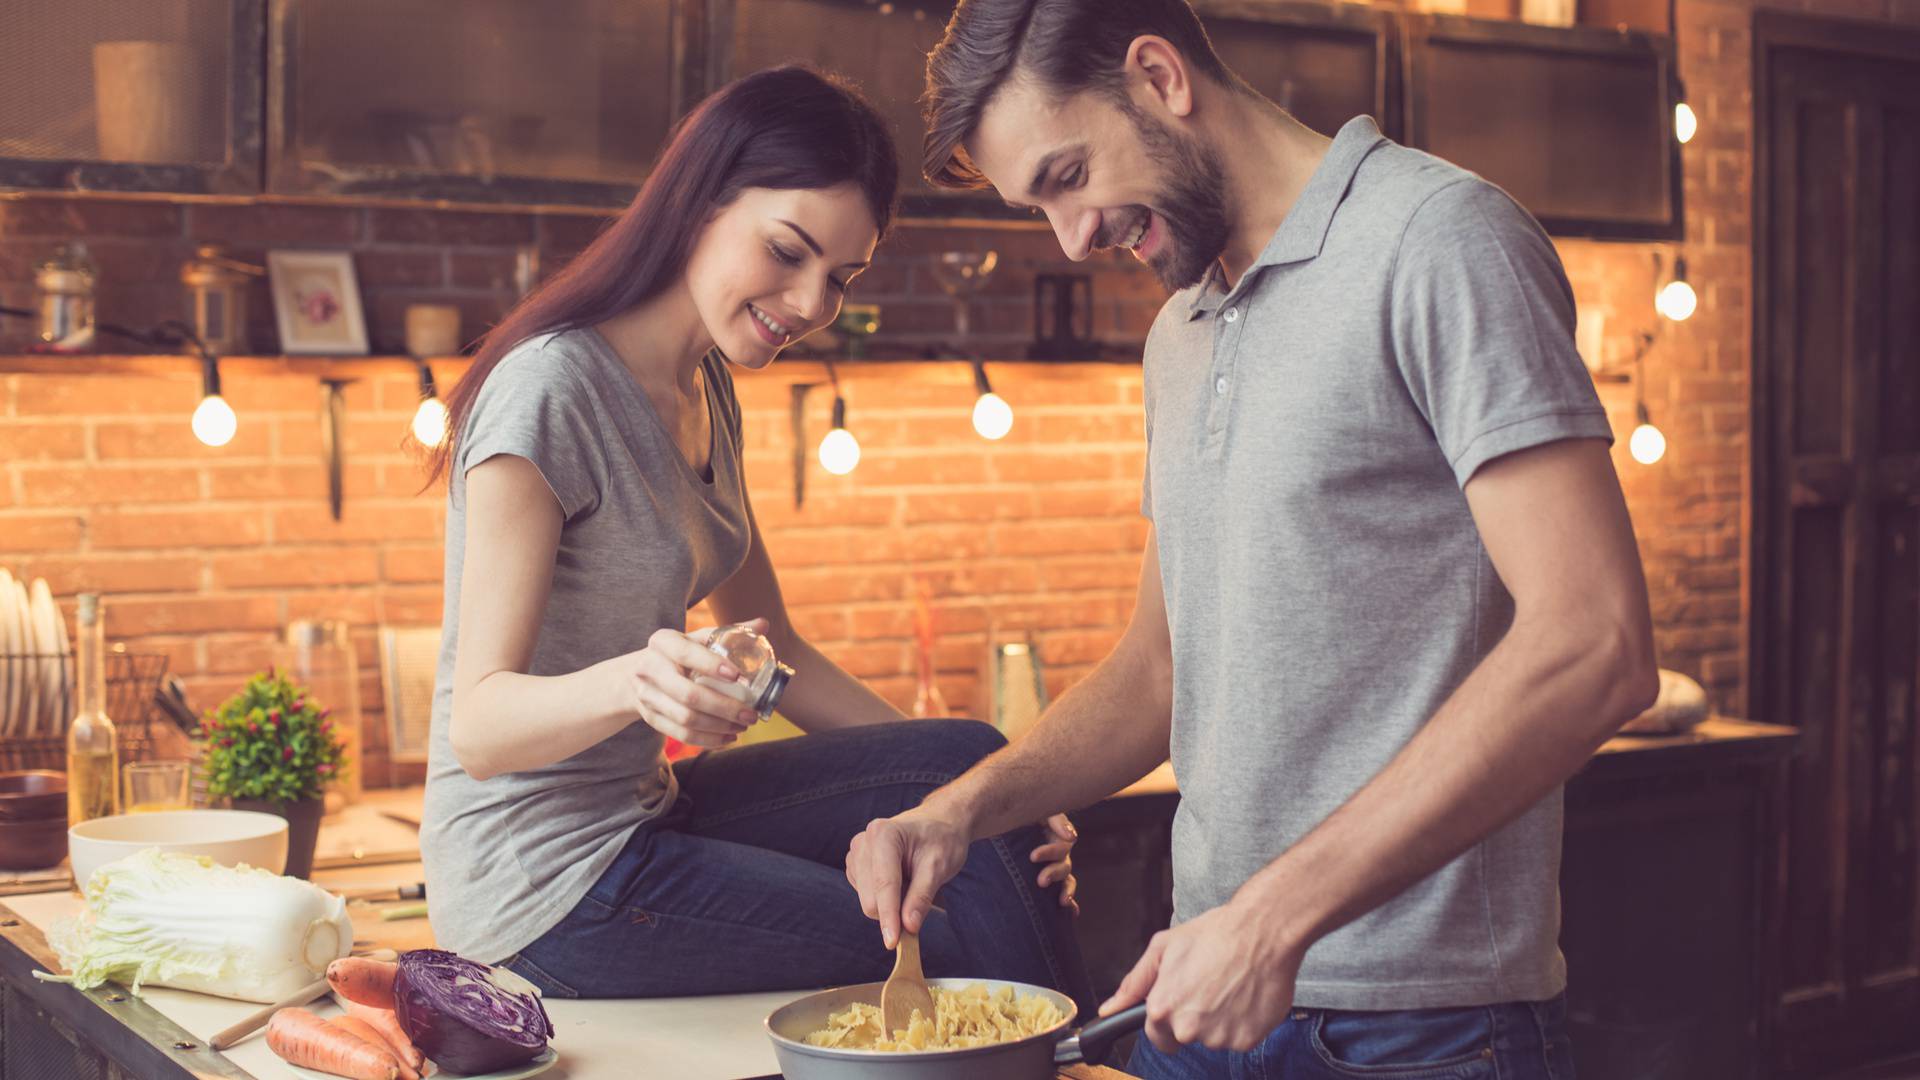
<point>1310,433</point>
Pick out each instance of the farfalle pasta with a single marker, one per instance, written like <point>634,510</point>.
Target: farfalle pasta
<point>966,1018</point>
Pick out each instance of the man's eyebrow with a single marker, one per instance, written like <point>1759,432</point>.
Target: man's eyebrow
<point>808,240</point>
<point>1040,171</point>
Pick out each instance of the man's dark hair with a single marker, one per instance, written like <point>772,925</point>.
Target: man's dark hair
<point>1065,46</point>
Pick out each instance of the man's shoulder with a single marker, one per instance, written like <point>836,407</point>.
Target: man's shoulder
<point>1395,183</point>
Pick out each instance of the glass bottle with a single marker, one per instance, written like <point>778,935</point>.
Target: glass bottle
<point>763,678</point>
<point>93,747</point>
<point>65,284</point>
<point>319,655</point>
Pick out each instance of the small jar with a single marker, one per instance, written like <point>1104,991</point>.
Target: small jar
<point>762,677</point>
<point>65,284</point>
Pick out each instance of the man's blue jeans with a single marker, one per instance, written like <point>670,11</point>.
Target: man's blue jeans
<point>1518,1041</point>
<point>742,886</point>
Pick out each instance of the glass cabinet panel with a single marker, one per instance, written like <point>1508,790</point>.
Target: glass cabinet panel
<point>129,94</point>
<point>503,99</point>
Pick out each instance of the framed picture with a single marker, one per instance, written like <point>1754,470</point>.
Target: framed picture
<point>316,302</point>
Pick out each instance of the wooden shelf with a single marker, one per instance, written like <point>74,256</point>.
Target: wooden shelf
<point>798,369</point>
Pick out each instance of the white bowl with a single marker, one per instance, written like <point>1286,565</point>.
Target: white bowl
<point>229,837</point>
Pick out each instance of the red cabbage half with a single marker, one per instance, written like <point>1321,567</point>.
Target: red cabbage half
<point>468,1017</point>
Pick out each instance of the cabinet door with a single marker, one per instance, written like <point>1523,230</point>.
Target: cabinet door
<point>882,48</point>
<point>1577,125</point>
<point>1323,66</point>
<point>517,101</point>
<point>131,95</point>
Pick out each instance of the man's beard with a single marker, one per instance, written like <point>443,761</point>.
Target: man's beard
<point>1192,203</point>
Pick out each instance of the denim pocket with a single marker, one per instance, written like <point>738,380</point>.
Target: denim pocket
<point>528,970</point>
<point>1427,1044</point>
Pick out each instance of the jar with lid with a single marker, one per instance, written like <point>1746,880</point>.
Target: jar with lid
<point>763,678</point>
<point>65,286</point>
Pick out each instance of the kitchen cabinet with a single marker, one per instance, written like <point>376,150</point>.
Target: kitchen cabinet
<point>488,101</point>
<point>1575,124</point>
<point>131,95</point>
<point>1667,885</point>
<point>1325,65</point>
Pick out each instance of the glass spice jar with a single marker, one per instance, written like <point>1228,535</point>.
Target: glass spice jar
<point>763,678</point>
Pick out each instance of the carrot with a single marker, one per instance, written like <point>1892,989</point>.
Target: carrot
<point>369,982</point>
<point>301,1038</point>
<point>365,1030</point>
<point>384,1022</point>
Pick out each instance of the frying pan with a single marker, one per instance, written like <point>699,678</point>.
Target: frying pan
<point>1033,1058</point>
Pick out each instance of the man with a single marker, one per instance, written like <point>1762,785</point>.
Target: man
<point>1391,600</point>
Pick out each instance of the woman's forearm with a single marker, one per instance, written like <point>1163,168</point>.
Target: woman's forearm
<point>823,697</point>
<point>509,722</point>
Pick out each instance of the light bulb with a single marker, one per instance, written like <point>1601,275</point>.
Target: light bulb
<point>430,422</point>
<point>1676,301</point>
<point>214,422</point>
<point>1646,444</point>
<point>1685,123</point>
<point>839,452</point>
<point>992,416</point>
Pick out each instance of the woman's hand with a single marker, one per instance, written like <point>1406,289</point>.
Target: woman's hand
<point>657,682</point>
<point>1057,853</point>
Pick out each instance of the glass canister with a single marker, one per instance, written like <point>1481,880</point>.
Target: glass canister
<point>65,286</point>
<point>319,656</point>
<point>763,678</point>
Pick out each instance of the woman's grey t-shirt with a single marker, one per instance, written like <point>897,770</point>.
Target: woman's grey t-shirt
<point>646,537</point>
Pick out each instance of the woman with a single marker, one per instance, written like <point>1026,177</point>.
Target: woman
<point>595,495</point>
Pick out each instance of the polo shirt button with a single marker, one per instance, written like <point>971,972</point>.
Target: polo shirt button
<point>1233,314</point>
<point>1220,385</point>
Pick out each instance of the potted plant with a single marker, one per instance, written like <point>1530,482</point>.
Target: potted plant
<point>271,748</point>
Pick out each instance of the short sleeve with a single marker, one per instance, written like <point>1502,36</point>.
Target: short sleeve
<point>1482,325</point>
<point>533,405</point>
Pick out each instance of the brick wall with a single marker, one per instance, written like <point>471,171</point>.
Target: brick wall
<point>207,552</point>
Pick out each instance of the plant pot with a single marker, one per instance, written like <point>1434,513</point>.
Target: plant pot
<point>303,828</point>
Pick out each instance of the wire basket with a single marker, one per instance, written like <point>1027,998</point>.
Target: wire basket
<point>37,701</point>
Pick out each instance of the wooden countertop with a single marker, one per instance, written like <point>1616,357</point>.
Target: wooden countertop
<point>161,1035</point>
<point>1717,740</point>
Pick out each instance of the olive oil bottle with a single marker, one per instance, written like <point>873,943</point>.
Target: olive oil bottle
<point>93,746</point>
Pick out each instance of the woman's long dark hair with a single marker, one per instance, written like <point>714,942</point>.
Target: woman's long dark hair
<point>785,128</point>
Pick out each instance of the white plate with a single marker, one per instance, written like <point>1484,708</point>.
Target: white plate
<point>7,647</point>
<point>28,714</point>
<point>532,1068</point>
<point>50,634</point>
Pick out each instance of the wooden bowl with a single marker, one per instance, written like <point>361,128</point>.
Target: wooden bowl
<point>33,795</point>
<point>31,845</point>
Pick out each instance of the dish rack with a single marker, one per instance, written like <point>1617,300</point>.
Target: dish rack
<point>132,681</point>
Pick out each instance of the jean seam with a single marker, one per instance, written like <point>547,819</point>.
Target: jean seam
<point>1054,967</point>
<point>816,794</point>
<point>1536,1011</point>
<point>814,943</point>
<point>1424,1071</point>
<point>520,958</point>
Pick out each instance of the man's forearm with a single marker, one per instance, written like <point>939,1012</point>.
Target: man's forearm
<point>1108,731</point>
<point>1527,719</point>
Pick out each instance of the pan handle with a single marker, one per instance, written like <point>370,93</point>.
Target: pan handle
<point>1092,1044</point>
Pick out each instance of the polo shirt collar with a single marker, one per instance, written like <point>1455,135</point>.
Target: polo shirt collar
<point>1304,231</point>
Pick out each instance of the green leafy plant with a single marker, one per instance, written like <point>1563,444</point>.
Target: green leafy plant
<point>270,741</point>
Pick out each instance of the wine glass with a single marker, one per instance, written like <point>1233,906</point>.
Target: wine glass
<point>960,274</point>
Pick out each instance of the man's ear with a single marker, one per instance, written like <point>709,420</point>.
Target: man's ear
<point>1154,67</point>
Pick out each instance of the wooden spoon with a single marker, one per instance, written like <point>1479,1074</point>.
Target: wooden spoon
<point>906,989</point>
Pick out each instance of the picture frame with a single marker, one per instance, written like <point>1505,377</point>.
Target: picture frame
<point>316,303</point>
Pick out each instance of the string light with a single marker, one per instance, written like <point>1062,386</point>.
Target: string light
<point>1676,299</point>
<point>430,419</point>
<point>214,422</point>
<point>1685,123</point>
<point>839,451</point>
<point>992,416</point>
<point>1647,444</point>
